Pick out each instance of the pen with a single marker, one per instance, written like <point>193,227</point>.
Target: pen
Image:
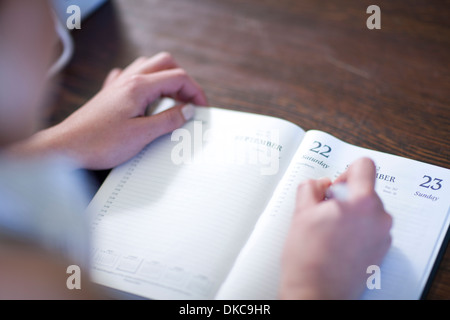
<point>338,191</point>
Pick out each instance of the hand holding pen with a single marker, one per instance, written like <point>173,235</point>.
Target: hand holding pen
<point>332,242</point>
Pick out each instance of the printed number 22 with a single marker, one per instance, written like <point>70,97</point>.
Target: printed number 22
<point>428,184</point>
<point>322,150</point>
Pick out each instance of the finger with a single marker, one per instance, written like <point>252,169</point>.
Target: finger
<point>360,177</point>
<point>311,192</point>
<point>174,82</point>
<point>159,62</point>
<point>112,75</point>
<point>343,177</point>
<point>165,122</point>
<point>132,67</point>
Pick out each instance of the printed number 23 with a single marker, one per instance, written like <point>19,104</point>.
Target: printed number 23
<point>429,183</point>
<point>322,150</point>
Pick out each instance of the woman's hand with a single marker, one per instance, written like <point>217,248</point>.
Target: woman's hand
<point>331,243</point>
<point>112,127</point>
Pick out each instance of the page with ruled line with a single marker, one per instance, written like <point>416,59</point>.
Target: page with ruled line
<point>420,224</point>
<point>169,230</point>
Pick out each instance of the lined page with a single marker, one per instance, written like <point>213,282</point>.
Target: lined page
<point>170,223</point>
<point>419,228</point>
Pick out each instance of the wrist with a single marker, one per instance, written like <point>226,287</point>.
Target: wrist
<point>45,143</point>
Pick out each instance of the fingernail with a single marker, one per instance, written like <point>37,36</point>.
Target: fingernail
<point>188,111</point>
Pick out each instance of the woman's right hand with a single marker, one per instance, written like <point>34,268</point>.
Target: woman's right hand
<point>331,243</point>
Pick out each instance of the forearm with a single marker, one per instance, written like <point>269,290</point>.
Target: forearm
<point>43,144</point>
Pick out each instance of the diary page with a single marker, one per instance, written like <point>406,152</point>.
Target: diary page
<point>414,193</point>
<point>169,223</point>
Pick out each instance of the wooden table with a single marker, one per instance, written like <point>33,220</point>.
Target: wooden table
<point>314,63</point>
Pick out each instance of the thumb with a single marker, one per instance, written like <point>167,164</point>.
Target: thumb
<point>167,121</point>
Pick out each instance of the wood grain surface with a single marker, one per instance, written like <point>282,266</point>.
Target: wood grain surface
<point>311,62</point>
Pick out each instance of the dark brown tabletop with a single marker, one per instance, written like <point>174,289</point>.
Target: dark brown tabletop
<point>314,63</point>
